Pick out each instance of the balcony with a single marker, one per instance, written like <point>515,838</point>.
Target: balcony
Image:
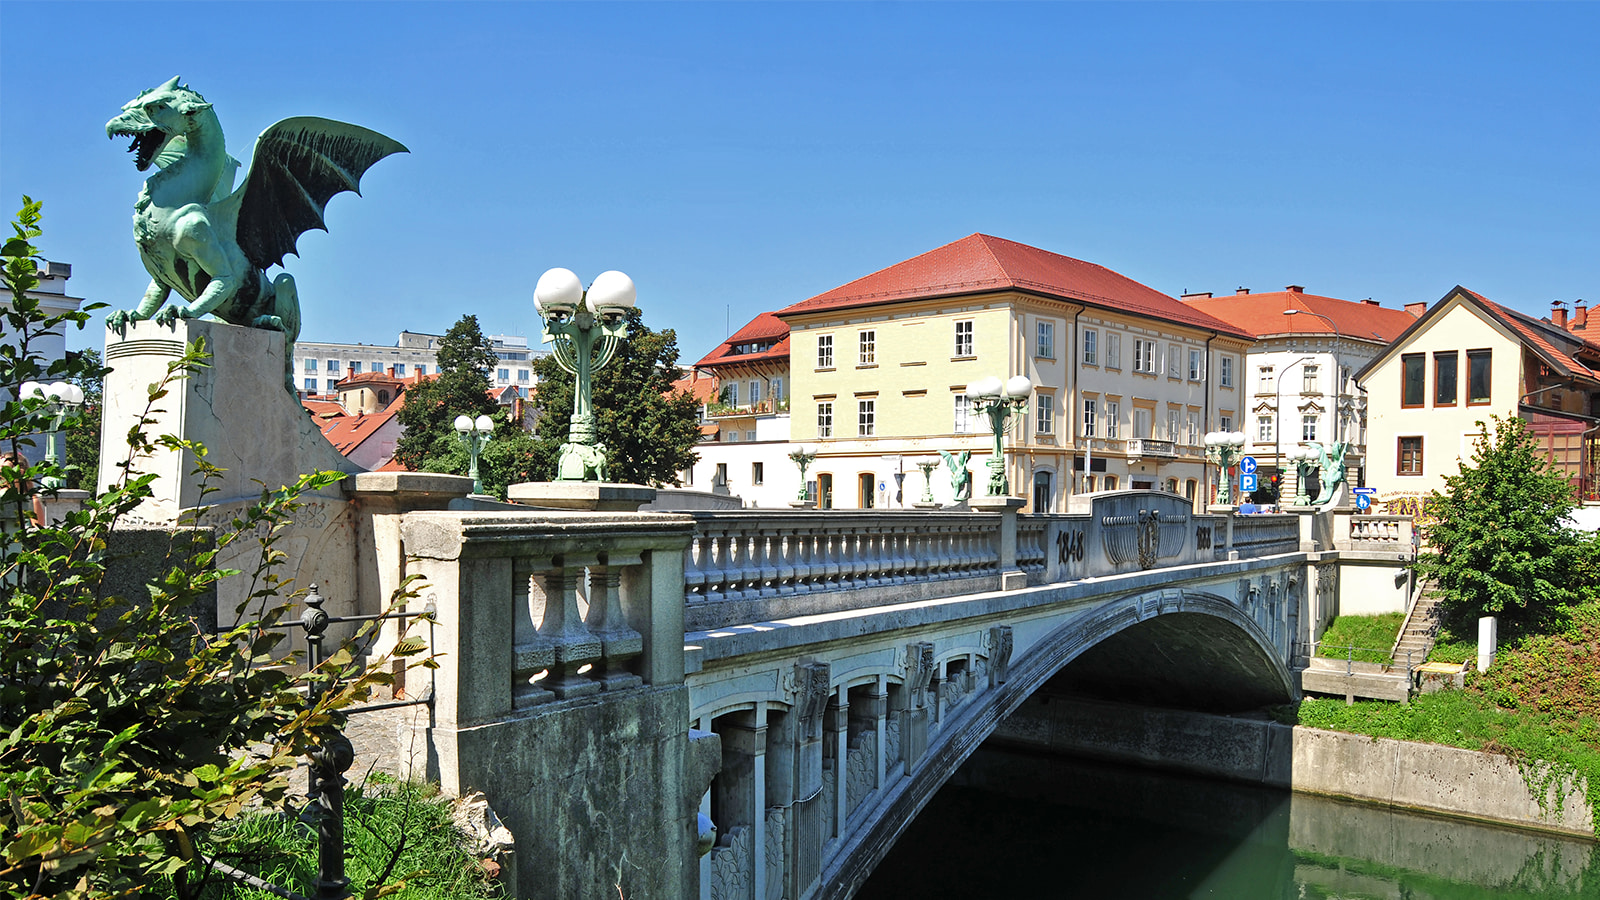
<point>1144,448</point>
<point>760,408</point>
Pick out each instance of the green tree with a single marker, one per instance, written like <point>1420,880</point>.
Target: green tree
<point>1500,545</point>
<point>648,430</point>
<point>430,442</point>
<point>126,732</point>
<point>83,439</point>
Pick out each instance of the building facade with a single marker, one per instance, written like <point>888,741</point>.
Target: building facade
<point>1298,377</point>
<point>1126,380</point>
<point>1465,359</point>
<point>320,365</point>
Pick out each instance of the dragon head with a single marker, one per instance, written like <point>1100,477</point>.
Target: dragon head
<point>156,118</point>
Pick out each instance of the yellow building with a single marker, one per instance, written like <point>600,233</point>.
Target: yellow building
<point>1467,358</point>
<point>1127,380</point>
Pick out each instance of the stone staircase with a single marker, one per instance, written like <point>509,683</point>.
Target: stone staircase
<point>1420,630</point>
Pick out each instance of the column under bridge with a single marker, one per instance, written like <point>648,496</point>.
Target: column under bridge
<point>807,680</point>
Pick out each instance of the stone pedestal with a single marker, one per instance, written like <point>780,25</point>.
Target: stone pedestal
<point>922,505</point>
<point>803,504</point>
<point>1011,577</point>
<point>594,496</point>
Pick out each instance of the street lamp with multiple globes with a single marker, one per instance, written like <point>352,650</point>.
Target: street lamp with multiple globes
<point>475,435</point>
<point>1303,458</point>
<point>584,329</point>
<point>1224,448</point>
<point>999,401</point>
<point>63,399</point>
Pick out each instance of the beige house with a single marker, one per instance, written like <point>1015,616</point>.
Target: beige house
<point>1126,380</point>
<point>1468,358</point>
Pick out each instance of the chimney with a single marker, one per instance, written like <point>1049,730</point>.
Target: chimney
<point>1295,288</point>
<point>1558,313</point>
<point>391,371</point>
<point>1371,302</point>
<point>1241,291</point>
<point>1416,309</point>
<point>1197,295</point>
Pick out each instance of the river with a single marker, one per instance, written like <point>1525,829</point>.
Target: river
<point>1013,824</point>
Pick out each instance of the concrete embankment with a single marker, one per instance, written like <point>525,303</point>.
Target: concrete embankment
<point>1428,777</point>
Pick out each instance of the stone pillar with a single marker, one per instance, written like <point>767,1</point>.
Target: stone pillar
<point>836,739</point>
<point>1011,577</point>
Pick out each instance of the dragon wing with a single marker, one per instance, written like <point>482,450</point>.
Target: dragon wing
<point>299,164</point>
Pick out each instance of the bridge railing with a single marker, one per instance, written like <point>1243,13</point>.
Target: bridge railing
<point>757,565</point>
<point>1377,533</point>
<point>1265,534</point>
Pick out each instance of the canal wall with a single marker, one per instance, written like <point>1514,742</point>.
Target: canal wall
<point>1427,777</point>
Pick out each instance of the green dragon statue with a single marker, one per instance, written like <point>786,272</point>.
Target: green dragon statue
<point>213,244</point>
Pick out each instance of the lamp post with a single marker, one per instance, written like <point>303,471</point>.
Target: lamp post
<point>62,399</point>
<point>475,435</point>
<point>584,329</point>
<point>803,458</point>
<point>1224,448</point>
<point>1302,457</point>
<point>998,401</point>
<point>927,466</point>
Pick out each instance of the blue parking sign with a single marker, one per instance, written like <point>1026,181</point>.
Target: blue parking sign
<point>1247,482</point>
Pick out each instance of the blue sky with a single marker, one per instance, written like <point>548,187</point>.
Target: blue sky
<point>740,157</point>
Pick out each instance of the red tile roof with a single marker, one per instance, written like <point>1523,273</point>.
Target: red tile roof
<point>702,387</point>
<point>980,263</point>
<point>1263,315</point>
<point>1534,332</point>
<point>764,328</point>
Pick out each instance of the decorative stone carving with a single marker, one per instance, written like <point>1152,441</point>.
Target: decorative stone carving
<point>919,672</point>
<point>731,867</point>
<point>861,770</point>
<point>891,741</point>
<point>811,698</point>
<point>777,873</point>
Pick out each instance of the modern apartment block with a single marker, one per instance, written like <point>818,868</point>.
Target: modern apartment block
<point>318,366</point>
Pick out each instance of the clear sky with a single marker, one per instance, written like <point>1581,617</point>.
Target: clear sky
<point>734,158</point>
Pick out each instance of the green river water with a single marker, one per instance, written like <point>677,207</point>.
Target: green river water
<point>1018,825</point>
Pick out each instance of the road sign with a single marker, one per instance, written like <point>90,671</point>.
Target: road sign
<point>1364,492</point>
<point>1247,481</point>
<point>1363,501</point>
<point>1247,465</point>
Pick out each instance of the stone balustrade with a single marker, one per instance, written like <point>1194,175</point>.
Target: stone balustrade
<point>1377,533</point>
<point>752,566</point>
<point>1264,534</point>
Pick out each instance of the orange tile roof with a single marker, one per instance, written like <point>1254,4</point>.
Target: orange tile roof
<point>1535,333</point>
<point>347,432</point>
<point>980,263</point>
<point>702,387</point>
<point>764,327</point>
<point>1263,315</point>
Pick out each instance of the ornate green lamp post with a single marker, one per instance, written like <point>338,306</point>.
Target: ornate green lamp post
<point>584,329</point>
<point>63,399</point>
<point>927,466</point>
<point>1302,458</point>
<point>1224,448</point>
<point>999,402</point>
<point>475,434</point>
<point>803,459</point>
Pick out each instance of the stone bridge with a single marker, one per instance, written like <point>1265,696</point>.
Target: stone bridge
<point>807,680</point>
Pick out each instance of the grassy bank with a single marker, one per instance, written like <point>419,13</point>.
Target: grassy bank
<point>1361,638</point>
<point>1539,704</point>
<point>433,863</point>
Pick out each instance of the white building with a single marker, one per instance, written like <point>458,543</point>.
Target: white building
<point>319,365</point>
<point>53,301</point>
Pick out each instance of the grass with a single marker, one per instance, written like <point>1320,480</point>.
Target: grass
<point>1362,638</point>
<point>1539,705</point>
<point>434,864</point>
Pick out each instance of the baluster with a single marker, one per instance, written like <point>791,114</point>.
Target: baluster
<point>694,572</point>
<point>869,548</point>
<point>714,564</point>
<point>529,655</point>
<point>783,546</point>
<point>618,642</point>
<point>574,647</point>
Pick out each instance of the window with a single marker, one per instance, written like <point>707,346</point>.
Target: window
<point>733,437</point>
<point>1264,383</point>
<point>1141,424</point>
<point>1172,425</point>
<point>964,338</point>
<point>864,488</point>
<point>1044,342</point>
<point>1225,377</point>
<point>1444,378</point>
<point>1091,347</point>
<point>1263,429</point>
<point>1192,430</point>
<point>1308,379</point>
<point>755,392</point>
<point>400,369</point>
<point>963,414</point>
<point>750,436</point>
<point>1144,355</point>
<point>1224,423</point>
<point>732,391</point>
<point>869,347</point>
<point>311,365</point>
<point>1112,413</point>
<point>502,375</point>
<point>522,375</point>
<point>1477,377</point>
<point>333,365</point>
<point>1196,371</point>
<point>777,389</point>
<point>1308,426</point>
<point>866,417</point>
<point>355,367</point>
<point>1045,414</point>
<point>1088,418</point>
<point>721,478</point>
<point>1113,351</point>
<point>824,420</point>
<point>1174,361</point>
<point>1111,482</point>
<point>1041,492</point>
<point>1411,379</point>
<point>311,385</point>
<point>824,351</point>
<point>1410,458</point>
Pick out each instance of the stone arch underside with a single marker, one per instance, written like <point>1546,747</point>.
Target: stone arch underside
<point>1250,665</point>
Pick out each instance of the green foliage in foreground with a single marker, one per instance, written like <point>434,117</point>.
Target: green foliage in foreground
<point>433,865</point>
<point>1362,638</point>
